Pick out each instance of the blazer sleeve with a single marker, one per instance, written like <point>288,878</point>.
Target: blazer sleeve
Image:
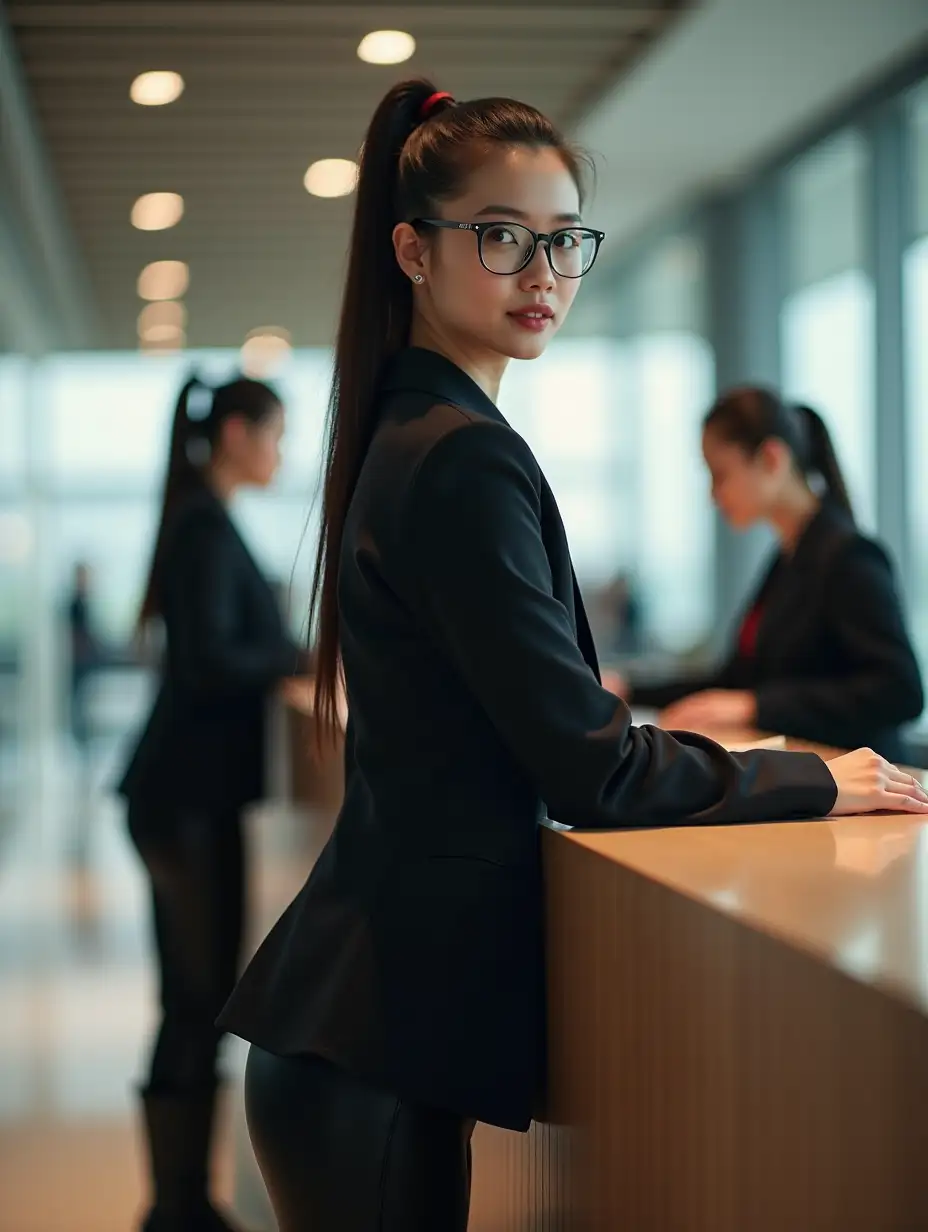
<point>882,684</point>
<point>211,652</point>
<point>481,580</point>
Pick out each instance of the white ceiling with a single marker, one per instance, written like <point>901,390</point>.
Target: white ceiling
<point>271,85</point>
<point>729,86</point>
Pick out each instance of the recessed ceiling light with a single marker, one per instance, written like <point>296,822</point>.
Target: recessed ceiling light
<point>159,335</point>
<point>164,280</point>
<point>161,322</point>
<point>156,89</point>
<point>331,177</point>
<point>167,340</point>
<point>157,211</point>
<point>165,312</point>
<point>386,47</point>
<point>264,350</point>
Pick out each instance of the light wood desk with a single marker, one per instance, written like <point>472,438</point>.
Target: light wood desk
<point>739,1034</point>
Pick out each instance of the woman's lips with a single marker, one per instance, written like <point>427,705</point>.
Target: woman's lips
<point>535,320</point>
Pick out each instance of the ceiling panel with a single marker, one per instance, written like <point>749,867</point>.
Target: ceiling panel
<point>270,87</point>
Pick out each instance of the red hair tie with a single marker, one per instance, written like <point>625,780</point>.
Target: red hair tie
<point>432,102</point>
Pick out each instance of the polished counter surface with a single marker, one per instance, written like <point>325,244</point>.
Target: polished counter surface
<point>852,891</point>
<point>738,1034</point>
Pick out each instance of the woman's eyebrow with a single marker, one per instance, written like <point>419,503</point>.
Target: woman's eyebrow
<point>510,211</point>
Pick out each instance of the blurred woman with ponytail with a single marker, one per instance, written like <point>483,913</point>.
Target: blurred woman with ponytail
<point>199,762</point>
<point>822,651</point>
<point>400,998</point>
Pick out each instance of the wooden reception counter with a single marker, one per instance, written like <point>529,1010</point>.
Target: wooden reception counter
<point>738,1035</point>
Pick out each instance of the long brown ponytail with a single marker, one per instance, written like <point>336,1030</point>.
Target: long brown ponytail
<point>821,458</point>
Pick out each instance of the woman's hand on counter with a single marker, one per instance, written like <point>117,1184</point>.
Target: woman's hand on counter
<point>712,708</point>
<point>867,783</point>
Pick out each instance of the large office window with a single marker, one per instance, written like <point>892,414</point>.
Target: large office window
<point>827,324</point>
<point>668,385</point>
<point>105,419</point>
<point>17,543</point>
<point>916,352</point>
<point>16,537</point>
<point>80,482</point>
<point>13,373</point>
<point>568,408</point>
<point>102,445</point>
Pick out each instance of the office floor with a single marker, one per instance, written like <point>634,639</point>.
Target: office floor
<point>77,1004</point>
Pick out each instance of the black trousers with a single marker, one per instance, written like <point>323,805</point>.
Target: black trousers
<point>195,862</point>
<point>340,1156</point>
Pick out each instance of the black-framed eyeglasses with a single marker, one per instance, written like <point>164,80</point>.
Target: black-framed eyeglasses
<point>508,247</point>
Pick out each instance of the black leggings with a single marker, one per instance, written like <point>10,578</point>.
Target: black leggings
<point>195,862</point>
<point>340,1156</point>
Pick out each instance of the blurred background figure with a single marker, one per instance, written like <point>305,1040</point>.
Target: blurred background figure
<point>199,762</point>
<point>822,651</point>
<point>85,653</point>
<point>624,614</point>
<point>85,658</point>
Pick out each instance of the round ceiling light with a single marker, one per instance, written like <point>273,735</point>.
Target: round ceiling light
<point>162,321</point>
<point>165,312</point>
<point>163,340</point>
<point>157,211</point>
<point>164,280</point>
<point>265,350</point>
<point>331,177</point>
<point>386,47</point>
<point>156,89</point>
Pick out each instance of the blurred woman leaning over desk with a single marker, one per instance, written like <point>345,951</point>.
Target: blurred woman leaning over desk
<point>822,652</point>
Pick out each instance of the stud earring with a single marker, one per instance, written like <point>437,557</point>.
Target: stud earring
<point>418,278</point>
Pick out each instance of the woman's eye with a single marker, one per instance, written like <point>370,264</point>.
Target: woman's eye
<point>501,235</point>
<point>568,239</point>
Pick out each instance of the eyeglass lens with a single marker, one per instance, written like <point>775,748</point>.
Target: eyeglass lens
<point>505,249</point>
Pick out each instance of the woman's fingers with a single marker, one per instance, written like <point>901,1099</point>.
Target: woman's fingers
<point>909,788</point>
<point>904,801</point>
<point>900,780</point>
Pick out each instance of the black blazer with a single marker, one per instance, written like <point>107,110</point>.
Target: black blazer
<point>413,955</point>
<point>204,743</point>
<point>832,660</point>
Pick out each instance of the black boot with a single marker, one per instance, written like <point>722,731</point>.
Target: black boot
<point>179,1129</point>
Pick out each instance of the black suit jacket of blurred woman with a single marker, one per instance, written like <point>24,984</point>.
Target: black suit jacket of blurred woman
<point>413,956</point>
<point>204,744</point>
<point>830,658</point>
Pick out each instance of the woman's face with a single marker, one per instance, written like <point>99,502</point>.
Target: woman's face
<point>482,312</point>
<point>745,487</point>
<point>253,448</point>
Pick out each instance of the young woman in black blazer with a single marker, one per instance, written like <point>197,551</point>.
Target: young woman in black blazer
<point>200,759</point>
<point>822,650</point>
<point>401,996</point>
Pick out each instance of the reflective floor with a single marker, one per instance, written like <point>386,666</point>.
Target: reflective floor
<point>77,1002</point>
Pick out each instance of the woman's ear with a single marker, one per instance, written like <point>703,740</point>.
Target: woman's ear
<point>410,249</point>
<point>775,456</point>
<point>233,436</point>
